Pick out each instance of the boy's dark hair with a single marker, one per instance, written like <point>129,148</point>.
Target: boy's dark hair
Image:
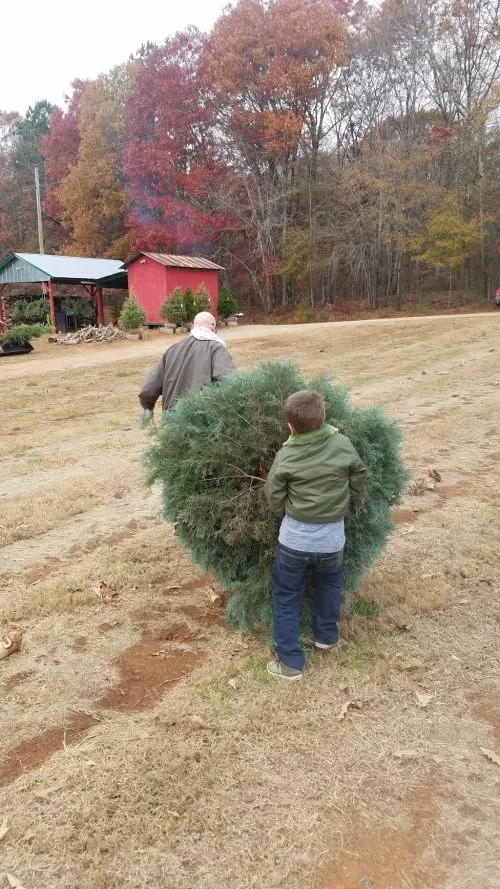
<point>305,410</point>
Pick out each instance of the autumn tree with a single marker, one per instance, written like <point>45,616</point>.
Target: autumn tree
<point>170,161</point>
<point>59,149</point>
<point>20,143</point>
<point>269,68</point>
<point>448,239</point>
<point>92,196</point>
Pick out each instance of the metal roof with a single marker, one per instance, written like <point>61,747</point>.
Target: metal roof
<point>178,262</point>
<point>22,268</point>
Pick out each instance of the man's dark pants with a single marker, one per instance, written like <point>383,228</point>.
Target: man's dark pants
<point>289,574</point>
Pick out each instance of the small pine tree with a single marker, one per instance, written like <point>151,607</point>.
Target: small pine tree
<point>226,304</point>
<point>132,314</point>
<point>211,455</point>
<point>201,299</point>
<point>174,309</point>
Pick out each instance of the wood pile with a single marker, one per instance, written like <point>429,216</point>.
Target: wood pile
<point>107,334</point>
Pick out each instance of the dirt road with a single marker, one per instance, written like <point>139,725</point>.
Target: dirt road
<point>98,354</point>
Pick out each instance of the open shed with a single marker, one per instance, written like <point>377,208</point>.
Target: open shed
<point>153,276</point>
<point>92,274</point>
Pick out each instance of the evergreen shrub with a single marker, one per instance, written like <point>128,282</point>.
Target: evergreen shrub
<point>80,309</point>
<point>226,305</point>
<point>305,312</point>
<point>30,311</point>
<point>212,452</point>
<point>181,307</point>
<point>201,299</point>
<point>173,309</point>
<point>132,314</point>
<point>18,335</point>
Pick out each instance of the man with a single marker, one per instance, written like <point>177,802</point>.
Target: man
<point>201,358</point>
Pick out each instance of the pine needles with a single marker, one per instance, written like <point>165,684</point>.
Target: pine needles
<point>211,454</point>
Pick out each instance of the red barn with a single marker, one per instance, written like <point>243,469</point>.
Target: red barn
<point>153,276</point>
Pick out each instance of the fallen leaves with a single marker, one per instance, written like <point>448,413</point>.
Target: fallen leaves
<point>106,591</point>
<point>421,484</point>
<point>491,755</point>
<point>417,487</point>
<point>215,597</point>
<point>10,643</point>
<point>435,474</point>
<point>4,827</point>
<point>346,706</point>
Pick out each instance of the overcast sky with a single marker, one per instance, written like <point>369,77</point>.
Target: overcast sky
<point>46,45</point>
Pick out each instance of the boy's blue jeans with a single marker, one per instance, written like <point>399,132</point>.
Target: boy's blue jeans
<point>289,572</point>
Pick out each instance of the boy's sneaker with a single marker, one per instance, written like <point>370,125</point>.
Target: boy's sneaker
<point>281,671</point>
<point>325,646</point>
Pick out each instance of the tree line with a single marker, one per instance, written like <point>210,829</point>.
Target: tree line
<point>319,150</point>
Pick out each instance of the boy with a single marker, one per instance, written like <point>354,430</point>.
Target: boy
<point>310,484</point>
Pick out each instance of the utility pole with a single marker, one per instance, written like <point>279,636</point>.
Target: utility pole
<point>39,211</point>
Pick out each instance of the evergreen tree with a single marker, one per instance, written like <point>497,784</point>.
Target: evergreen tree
<point>226,304</point>
<point>132,314</point>
<point>201,299</point>
<point>173,309</point>
<point>211,454</point>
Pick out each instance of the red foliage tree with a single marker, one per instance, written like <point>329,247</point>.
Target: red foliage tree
<point>170,161</point>
<point>60,153</point>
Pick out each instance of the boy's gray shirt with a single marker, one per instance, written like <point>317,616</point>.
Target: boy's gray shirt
<point>188,365</point>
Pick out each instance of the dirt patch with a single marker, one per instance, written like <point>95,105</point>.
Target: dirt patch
<point>31,754</point>
<point>495,456</point>
<point>107,627</point>
<point>197,583</point>
<point>150,612</point>
<point>394,858</point>
<point>405,516</point>
<point>175,633</point>
<point>146,670</point>
<point>13,681</point>
<point>80,644</point>
<point>40,572</point>
<point>459,489</point>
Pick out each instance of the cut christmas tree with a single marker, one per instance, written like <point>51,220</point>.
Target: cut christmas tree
<point>211,454</point>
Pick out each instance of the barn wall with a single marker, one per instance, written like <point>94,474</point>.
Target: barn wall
<point>146,281</point>
<point>152,283</point>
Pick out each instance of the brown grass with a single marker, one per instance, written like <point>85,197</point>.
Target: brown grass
<point>226,778</point>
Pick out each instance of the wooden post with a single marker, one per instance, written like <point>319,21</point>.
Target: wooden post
<point>2,316</point>
<point>52,306</point>
<point>100,307</point>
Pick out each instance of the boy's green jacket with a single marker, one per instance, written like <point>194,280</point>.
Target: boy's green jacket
<point>314,476</point>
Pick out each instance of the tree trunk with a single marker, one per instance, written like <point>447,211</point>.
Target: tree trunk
<point>480,171</point>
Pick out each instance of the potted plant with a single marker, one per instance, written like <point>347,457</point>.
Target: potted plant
<point>16,340</point>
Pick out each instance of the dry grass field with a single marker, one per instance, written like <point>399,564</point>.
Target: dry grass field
<point>142,742</point>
